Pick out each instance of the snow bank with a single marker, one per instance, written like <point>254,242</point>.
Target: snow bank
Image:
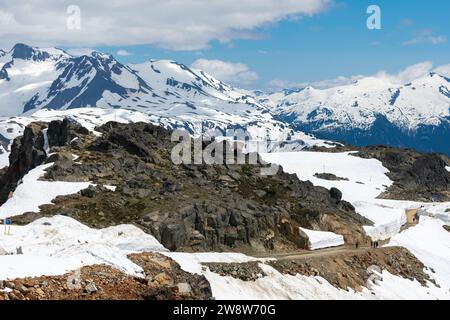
<point>367,179</point>
<point>448,168</point>
<point>430,243</point>
<point>32,192</point>
<point>388,219</point>
<point>322,239</point>
<point>56,245</point>
<point>277,286</point>
<point>191,262</point>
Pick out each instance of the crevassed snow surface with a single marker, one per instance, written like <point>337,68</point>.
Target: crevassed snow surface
<point>32,192</point>
<point>323,239</point>
<point>53,246</point>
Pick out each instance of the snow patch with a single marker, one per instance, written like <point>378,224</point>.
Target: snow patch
<point>4,157</point>
<point>322,239</point>
<point>429,242</point>
<point>277,286</point>
<point>32,192</point>
<point>366,180</point>
<point>54,246</point>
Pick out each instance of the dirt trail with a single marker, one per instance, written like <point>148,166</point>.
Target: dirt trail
<point>348,267</point>
<point>343,267</point>
<point>347,249</point>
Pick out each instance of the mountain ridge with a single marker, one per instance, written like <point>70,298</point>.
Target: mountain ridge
<point>371,110</point>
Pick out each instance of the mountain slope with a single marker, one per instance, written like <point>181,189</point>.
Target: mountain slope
<point>33,79</point>
<point>374,111</point>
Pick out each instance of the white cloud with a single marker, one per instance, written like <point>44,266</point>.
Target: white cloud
<point>172,24</point>
<point>235,73</point>
<point>426,36</point>
<point>443,70</point>
<point>406,75</point>
<point>124,53</point>
<point>80,51</point>
<point>278,84</point>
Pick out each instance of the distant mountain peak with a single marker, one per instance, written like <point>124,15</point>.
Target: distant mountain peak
<point>26,52</point>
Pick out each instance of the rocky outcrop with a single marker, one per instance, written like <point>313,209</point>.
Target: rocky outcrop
<point>4,142</point>
<point>29,150</point>
<point>329,177</point>
<point>163,280</point>
<point>62,132</point>
<point>192,207</point>
<point>417,176</point>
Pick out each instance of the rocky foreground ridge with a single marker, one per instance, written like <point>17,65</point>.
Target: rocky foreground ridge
<point>186,207</point>
<point>189,208</point>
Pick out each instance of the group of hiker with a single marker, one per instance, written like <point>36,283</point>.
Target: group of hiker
<point>374,244</point>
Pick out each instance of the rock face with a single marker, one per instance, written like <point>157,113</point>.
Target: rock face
<point>62,132</point>
<point>28,151</point>
<point>192,207</point>
<point>417,176</point>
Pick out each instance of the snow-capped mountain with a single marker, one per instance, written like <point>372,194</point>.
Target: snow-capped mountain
<point>32,79</point>
<point>369,111</point>
<point>373,111</point>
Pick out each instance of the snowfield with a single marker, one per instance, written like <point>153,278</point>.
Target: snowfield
<point>430,243</point>
<point>32,192</point>
<point>54,246</point>
<point>279,286</point>
<point>322,239</point>
<point>366,180</point>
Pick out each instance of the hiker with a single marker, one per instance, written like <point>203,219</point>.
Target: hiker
<point>357,244</point>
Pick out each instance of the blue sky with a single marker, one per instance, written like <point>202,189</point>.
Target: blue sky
<point>335,42</point>
<point>248,43</point>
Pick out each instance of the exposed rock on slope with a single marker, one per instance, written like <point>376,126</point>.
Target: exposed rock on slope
<point>191,207</point>
<point>352,268</point>
<point>164,280</point>
<point>29,151</point>
<point>417,176</point>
